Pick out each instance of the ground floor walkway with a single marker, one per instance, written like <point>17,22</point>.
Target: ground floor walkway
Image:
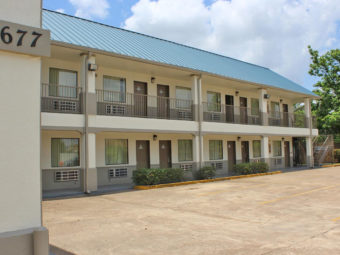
<point>295,212</point>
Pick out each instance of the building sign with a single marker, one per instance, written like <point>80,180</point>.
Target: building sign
<point>24,39</point>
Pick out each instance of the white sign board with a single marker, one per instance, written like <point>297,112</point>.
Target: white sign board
<point>24,39</point>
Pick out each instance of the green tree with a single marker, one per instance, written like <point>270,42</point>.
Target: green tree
<point>327,109</point>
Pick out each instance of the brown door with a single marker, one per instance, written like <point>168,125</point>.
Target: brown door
<point>165,154</point>
<point>231,155</point>
<point>285,115</point>
<point>287,154</point>
<point>245,151</point>
<point>243,110</point>
<point>229,108</point>
<point>143,154</point>
<point>140,99</point>
<point>163,104</point>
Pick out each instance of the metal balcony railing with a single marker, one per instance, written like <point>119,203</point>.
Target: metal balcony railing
<point>231,114</point>
<point>60,99</point>
<point>143,106</point>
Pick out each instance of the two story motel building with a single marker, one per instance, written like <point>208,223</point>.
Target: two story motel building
<point>113,101</point>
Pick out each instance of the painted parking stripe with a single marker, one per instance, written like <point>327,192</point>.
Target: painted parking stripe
<point>336,219</point>
<point>228,190</point>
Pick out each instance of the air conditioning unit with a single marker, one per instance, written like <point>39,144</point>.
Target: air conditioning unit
<point>115,109</point>
<point>66,176</point>
<point>215,116</point>
<point>184,115</point>
<point>117,172</point>
<point>186,167</point>
<point>64,106</point>
<point>217,165</point>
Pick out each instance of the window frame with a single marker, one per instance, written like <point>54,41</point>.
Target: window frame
<point>277,141</point>
<point>61,85</point>
<point>127,152</point>
<point>185,88</point>
<point>221,141</point>
<point>260,154</point>
<point>60,138</point>
<point>218,104</point>
<point>121,94</point>
<point>192,150</point>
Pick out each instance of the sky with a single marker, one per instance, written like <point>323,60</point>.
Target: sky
<point>270,33</point>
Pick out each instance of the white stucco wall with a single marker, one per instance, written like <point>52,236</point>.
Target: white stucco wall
<point>20,127</point>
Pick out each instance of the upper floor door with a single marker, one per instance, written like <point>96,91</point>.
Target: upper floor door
<point>163,102</point>
<point>243,110</point>
<point>140,99</point>
<point>229,108</point>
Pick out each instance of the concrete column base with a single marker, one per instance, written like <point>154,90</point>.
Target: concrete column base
<point>25,242</point>
<point>92,180</point>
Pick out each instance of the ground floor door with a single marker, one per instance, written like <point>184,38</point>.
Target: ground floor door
<point>165,154</point>
<point>143,154</point>
<point>231,154</point>
<point>287,154</point>
<point>245,151</point>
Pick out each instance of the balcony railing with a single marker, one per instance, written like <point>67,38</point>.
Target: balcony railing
<point>143,106</point>
<point>230,114</point>
<point>249,116</point>
<point>61,99</point>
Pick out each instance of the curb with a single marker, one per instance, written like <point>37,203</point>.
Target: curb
<point>332,165</point>
<point>146,187</point>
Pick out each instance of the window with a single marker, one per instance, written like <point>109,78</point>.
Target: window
<point>183,97</point>
<point>185,150</point>
<point>114,89</point>
<point>116,151</point>
<point>255,107</point>
<point>277,149</point>
<point>275,109</point>
<point>256,149</point>
<point>65,152</point>
<point>214,101</point>
<point>63,83</point>
<point>215,149</point>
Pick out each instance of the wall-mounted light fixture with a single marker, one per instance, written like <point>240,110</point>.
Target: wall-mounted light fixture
<point>237,92</point>
<point>281,100</point>
<point>154,137</point>
<point>266,96</point>
<point>239,138</point>
<point>153,79</point>
<point>282,139</point>
<point>92,67</point>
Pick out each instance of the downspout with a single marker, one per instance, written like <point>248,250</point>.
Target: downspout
<point>199,110</point>
<point>86,124</point>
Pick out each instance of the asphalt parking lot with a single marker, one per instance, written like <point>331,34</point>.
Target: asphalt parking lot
<point>290,213</point>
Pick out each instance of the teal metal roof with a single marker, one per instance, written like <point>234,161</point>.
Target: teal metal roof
<point>85,33</point>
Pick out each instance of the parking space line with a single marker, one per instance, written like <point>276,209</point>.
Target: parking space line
<point>336,219</point>
<point>227,190</point>
<point>298,194</point>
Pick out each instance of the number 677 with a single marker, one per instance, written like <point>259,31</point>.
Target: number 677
<point>7,38</point>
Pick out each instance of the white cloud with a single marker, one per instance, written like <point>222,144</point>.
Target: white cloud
<point>271,33</point>
<point>91,8</point>
<point>60,10</point>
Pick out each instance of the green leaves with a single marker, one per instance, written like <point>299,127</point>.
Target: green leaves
<point>327,109</point>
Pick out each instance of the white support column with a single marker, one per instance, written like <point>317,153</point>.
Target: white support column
<point>265,149</point>
<point>307,112</point>
<point>309,151</point>
<point>238,145</point>
<point>91,172</point>
<point>263,106</point>
<point>198,112</point>
<point>195,95</point>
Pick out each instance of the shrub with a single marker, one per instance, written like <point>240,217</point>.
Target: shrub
<point>251,168</point>
<point>153,176</point>
<point>207,172</point>
<point>337,155</point>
